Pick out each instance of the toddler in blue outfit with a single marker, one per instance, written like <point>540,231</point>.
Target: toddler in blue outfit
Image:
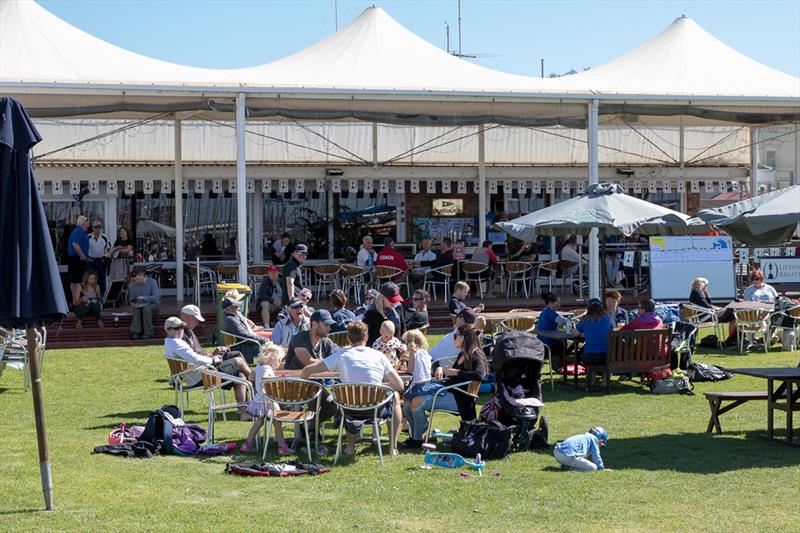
<point>572,452</point>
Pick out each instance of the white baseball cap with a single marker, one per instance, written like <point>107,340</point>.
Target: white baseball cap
<point>192,310</point>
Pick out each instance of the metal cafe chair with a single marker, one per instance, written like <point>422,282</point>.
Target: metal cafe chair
<point>214,381</point>
<point>362,398</point>
<point>291,393</point>
<point>327,274</point>
<point>431,280</point>
<point>518,272</point>
<point>354,278</point>
<point>474,272</point>
<point>749,323</point>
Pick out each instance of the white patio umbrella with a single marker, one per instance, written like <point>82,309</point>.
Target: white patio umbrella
<point>606,207</point>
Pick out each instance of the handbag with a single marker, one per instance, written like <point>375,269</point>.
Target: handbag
<point>492,440</point>
<point>680,385</point>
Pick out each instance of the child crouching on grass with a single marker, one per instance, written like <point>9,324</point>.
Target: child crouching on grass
<point>269,360</point>
<point>572,452</point>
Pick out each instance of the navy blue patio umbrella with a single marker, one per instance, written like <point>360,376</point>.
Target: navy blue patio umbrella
<point>30,282</point>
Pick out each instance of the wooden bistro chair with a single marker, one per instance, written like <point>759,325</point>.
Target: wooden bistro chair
<point>214,381</point>
<point>354,278</point>
<point>431,282</point>
<point>475,272</point>
<point>472,389</point>
<point>327,274</point>
<point>292,393</point>
<point>256,274</point>
<point>227,272</point>
<point>751,322</point>
<point>385,273</point>
<point>232,340</point>
<point>363,398</point>
<point>702,317</point>
<point>339,338</point>
<point>178,370</point>
<point>518,273</point>
<point>517,323</point>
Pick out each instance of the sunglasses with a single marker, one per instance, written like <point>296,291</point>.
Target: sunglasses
<point>417,299</point>
<point>98,227</point>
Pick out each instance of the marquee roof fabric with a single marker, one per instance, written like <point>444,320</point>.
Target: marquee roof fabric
<point>375,69</point>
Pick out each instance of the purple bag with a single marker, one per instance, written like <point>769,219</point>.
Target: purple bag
<point>186,440</point>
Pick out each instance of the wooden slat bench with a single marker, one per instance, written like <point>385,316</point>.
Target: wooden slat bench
<point>633,352</point>
<point>715,400</point>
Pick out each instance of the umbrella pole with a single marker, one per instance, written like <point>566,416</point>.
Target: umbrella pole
<point>603,273</point>
<point>38,412</point>
<point>580,271</point>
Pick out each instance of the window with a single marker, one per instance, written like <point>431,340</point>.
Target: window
<point>769,160</point>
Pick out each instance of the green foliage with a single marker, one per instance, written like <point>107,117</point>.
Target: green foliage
<point>668,473</point>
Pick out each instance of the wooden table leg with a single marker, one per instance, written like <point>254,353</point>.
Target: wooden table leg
<point>770,408</point>
<point>789,407</point>
<point>714,404</point>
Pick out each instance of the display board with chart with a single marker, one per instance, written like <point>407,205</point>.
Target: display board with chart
<point>676,261</point>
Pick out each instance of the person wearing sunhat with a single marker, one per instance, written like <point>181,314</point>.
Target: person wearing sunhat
<point>192,317</point>
<point>235,323</point>
<point>234,294</point>
<point>270,295</point>
<point>294,322</point>
<point>292,280</point>
<point>176,347</point>
<point>383,309</point>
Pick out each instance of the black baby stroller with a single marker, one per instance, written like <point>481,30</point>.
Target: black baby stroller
<point>518,359</point>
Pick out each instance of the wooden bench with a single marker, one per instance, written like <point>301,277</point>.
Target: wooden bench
<point>633,352</point>
<point>715,400</point>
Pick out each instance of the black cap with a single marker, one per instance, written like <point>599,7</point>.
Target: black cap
<point>296,303</point>
<point>323,315</point>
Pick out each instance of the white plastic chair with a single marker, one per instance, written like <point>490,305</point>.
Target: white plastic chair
<point>430,282</point>
<point>214,381</point>
<point>473,272</point>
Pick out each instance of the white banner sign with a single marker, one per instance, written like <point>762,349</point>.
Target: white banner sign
<point>781,269</point>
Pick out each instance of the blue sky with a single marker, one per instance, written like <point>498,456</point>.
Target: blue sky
<point>512,35</point>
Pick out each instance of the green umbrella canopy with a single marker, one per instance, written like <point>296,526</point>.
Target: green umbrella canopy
<point>770,218</point>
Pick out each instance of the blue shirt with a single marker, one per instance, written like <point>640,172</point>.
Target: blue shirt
<point>581,446</point>
<point>79,236</point>
<point>342,318</point>
<point>595,333</point>
<point>548,321</point>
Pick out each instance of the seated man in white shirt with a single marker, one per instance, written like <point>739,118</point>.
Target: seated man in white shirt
<point>366,256</point>
<point>421,263</point>
<point>229,363</point>
<point>570,253</point>
<point>360,364</point>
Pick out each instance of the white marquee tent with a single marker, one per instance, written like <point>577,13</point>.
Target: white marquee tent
<point>375,70</point>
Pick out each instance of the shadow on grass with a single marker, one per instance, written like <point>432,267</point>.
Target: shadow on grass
<point>701,453</point>
<point>21,511</point>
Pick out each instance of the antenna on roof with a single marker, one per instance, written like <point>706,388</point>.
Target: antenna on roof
<point>336,13</point>
<point>460,54</point>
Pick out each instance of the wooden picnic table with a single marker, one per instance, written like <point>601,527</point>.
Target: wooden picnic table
<point>786,397</point>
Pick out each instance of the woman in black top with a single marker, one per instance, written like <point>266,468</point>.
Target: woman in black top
<point>700,297</point>
<point>470,365</point>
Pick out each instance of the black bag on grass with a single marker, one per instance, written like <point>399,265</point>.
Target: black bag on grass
<point>700,372</point>
<point>490,439</point>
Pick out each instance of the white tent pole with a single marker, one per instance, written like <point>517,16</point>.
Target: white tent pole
<point>753,162</point>
<point>375,145</point>
<point>178,127</point>
<point>481,183</point>
<point>241,188</point>
<point>331,236</point>
<point>796,176</point>
<point>594,170</point>
<point>681,143</point>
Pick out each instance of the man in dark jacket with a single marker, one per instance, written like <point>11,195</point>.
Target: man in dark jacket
<point>269,295</point>
<point>445,258</point>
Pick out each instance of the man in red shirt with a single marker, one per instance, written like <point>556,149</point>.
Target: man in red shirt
<point>391,257</point>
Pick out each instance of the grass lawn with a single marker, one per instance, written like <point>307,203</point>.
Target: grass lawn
<point>668,474</point>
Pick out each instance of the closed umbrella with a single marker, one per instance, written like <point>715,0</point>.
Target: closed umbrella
<point>770,218</point>
<point>606,207</point>
<point>30,284</point>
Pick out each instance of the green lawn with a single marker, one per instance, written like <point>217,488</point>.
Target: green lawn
<point>668,474</point>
